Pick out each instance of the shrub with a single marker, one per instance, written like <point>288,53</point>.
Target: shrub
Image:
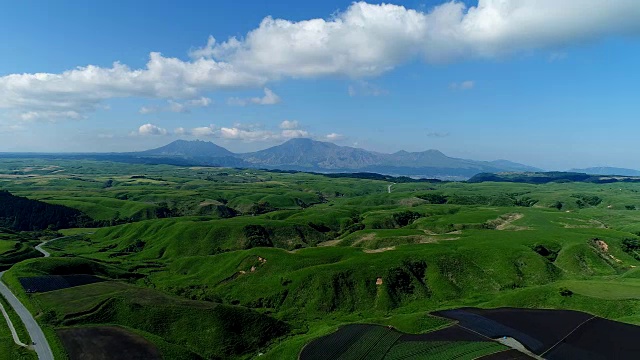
<point>257,236</point>
<point>565,292</point>
<point>406,217</point>
<point>433,198</point>
<point>262,207</point>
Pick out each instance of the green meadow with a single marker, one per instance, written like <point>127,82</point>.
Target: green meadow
<point>213,263</point>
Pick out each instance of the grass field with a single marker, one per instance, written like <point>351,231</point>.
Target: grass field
<point>306,253</point>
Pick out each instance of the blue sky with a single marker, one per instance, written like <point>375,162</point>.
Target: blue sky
<point>551,84</point>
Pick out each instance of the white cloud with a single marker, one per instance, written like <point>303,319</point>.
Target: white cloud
<point>363,40</point>
<point>465,85</point>
<point>368,39</point>
<point>246,132</point>
<point>50,115</point>
<point>200,102</point>
<point>289,124</point>
<point>83,89</point>
<point>269,98</point>
<point>365,88</point>
<point>205,131</point>
<point>296,133</point>
<point>148,110</point>
<point>235,133</point>
<point>334,137</point>
<point>150,129</point>
<point>177,107</point>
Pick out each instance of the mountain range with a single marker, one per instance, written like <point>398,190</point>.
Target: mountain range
<point>310,155</point>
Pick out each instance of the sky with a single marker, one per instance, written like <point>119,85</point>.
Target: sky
<point>548,83</point>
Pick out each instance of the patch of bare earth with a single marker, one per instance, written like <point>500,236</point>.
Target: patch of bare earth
<point>504,222</point>
<point>583,224</point>
<point>367,237</point>
<point>434,239</point>
<point>210,202</point>
<point>413,201</point>
<point>330,243</point>
<point>374,251</point>
<point>604,249</point>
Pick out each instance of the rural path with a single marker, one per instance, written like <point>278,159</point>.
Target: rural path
<point>14,333</point>
<point>40,344</point>
<point>43,251</point>
<point>389,187</point>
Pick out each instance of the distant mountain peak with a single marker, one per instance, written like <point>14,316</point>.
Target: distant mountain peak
<point>190,149</point>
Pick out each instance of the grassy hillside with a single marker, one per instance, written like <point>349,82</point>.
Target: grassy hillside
<point>232,255</point>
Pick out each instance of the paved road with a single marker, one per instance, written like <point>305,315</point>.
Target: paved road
<point>43,251</point>
<point>41,345</point>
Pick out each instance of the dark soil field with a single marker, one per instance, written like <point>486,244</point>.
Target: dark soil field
<point>333,345</point>
<point>56,282</point>
<point>538,330</point>
<point>599,339</point>
<point>554,334</point>
<point>360,341</point>
<point>106,343</point>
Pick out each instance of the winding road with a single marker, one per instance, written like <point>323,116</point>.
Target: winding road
<point>40,343</point>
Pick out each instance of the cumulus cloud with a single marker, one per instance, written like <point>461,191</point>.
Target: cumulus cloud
<point>368,39</point>
<point>150,129</point>
<point>203,131</point>
<point>363,40</point>
<point>246,132</point>
<point>49,115</point>
<point>83,89</point>
<point>269,98</point>
<point>288,124</point>
<point>334,137</point>
<point>465,85</point>
<point>177,107</point>
<point>365,88</point>
<point>296,133</point>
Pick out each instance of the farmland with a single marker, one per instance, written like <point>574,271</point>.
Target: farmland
<point>215,262</point>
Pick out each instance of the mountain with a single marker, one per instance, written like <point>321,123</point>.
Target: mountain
<point>608,171</point>
<point>195,152</point>
<point>429,158</point>
<point>313,155</point>
<point>188,149</point>
<point>513,166</point>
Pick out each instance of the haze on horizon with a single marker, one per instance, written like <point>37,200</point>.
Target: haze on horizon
<point>545,83</point>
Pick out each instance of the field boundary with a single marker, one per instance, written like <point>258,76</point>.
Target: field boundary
<point>569,334</point>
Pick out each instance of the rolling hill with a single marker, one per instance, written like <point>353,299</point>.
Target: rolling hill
<point>605,170</point>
